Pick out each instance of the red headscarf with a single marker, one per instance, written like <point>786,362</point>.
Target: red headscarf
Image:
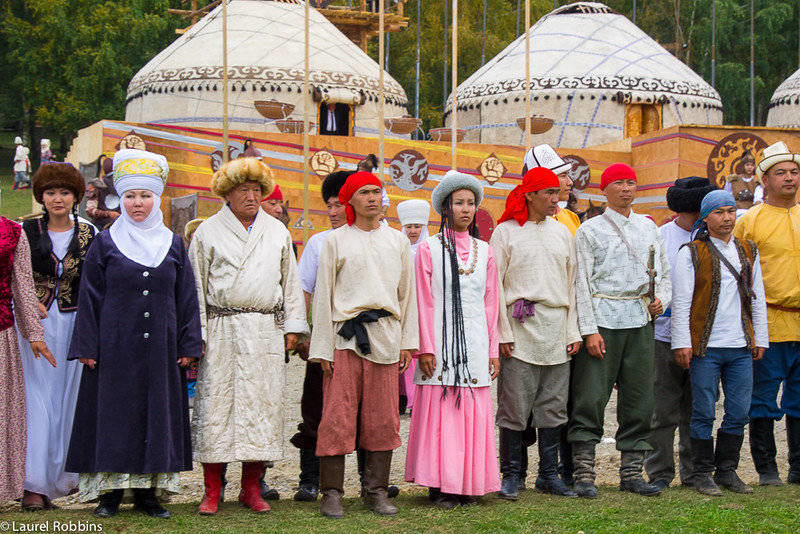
<point>355,182</point>
<point>617,171</point>
<point>535,179</point>
<point>275,195</point>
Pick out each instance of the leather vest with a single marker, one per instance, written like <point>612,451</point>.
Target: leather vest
<point>50,285</point>
<point>9,238</point>
<point>707,282</point>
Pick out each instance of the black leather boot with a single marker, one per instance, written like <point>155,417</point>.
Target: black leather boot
<point>510,463</point>
<point>630,475</point>
<point>703,465</point>
<point>548,481</point>
<point>726,458</point>
<point>793,440</point>
<point>523,468</point>
<point>108,504</point>
<point>762,447</point>
<point>309,477</point>
<point>565,467</point>
<point>145,501</point>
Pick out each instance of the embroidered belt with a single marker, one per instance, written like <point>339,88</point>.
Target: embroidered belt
<point>216,311</point>
<point>783,308</point>
<point>617,297</point>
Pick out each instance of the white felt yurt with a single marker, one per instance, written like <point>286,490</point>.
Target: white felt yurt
<point>182,85</point>
<point>594,73</point>
<point>784,107</point>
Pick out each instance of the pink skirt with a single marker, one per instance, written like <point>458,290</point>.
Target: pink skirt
<point>407,387</point>
<point>453,448</point>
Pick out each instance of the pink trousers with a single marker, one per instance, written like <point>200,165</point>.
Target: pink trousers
<point>361,395</point>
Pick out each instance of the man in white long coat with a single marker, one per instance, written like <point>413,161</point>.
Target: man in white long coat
<point>251,309</point>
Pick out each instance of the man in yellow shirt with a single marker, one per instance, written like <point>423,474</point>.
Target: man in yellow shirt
<point>545,156</point>
<point>774,226</point>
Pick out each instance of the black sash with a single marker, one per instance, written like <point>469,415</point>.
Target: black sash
<point>355,327</point>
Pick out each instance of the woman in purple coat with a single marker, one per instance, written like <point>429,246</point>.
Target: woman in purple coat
<point>137,326</point>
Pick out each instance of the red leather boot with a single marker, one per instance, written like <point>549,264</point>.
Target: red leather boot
<point>212,478</point>
<point>250,495</point>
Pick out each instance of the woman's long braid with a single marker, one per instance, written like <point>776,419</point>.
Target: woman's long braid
<point>454,347</point>
<point>45,245</point>
<point>74,244</point>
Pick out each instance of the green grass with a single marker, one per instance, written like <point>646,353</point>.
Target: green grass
<point>678,510</point>
<point>13,204</point>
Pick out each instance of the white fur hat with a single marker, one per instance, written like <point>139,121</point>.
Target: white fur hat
<point>17,140</point>
<point>775,154</point>
<point>453,181</point>
<point>545,156</point>
<point>414,211</point>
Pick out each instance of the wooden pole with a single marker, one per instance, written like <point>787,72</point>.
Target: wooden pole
<point>381,108</point>
<point>454,76</point>
<point>714,43</point>
<point>225,81</point>
<point>752,67</point>
<point>306,114</point>
<point>527,74</point>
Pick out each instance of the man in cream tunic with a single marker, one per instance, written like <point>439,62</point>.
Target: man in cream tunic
<point>250,297</point>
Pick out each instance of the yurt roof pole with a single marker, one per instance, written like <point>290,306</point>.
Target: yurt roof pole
<point>306,114</point>
<point>713,43</point>
<point>416,74</point>
<point>483,35</point>
<point>454,108</point>
<point>381,110</point>
<point>752,67</point>
<point>225,81</point>
<point>527,74</point>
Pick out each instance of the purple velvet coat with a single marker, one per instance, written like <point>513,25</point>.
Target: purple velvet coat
<point>132,414</point>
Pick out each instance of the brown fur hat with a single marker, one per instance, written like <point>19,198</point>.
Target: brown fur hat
<point>241,170</point>
<point>55,174</point>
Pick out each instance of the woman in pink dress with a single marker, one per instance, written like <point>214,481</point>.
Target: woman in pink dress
<point>17,303</point>
<point>451,444</point>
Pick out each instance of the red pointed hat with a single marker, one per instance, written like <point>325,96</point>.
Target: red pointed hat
<point>275,195</point>
<point>536,179</point>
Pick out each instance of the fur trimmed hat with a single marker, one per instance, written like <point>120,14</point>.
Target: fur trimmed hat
<point>239,171</point>
<point>54,174</point>
<point>333,183</point>
<point>454,181</point>
<point>687,194</point>
<point>191,226</point>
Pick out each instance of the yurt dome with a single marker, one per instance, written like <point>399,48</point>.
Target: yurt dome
<point>784,107</point>
<point>183,84</point>
<point>594,73</point>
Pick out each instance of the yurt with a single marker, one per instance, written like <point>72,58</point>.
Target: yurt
<point>182,85</point>
<point>784,107</point>
<point>595,78</point>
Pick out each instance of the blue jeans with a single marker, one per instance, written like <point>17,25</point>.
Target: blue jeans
<point>781,363</point>
<point>20,177</point>
<point>735,368</point>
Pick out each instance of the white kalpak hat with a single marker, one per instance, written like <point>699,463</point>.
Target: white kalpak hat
<point>139,169</point>
<point>414,211</point>
<point>773,155</point>
<point>17,140</point>
<point>545,156</point>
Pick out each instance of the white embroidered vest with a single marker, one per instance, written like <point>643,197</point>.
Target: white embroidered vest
<point>476,330</point>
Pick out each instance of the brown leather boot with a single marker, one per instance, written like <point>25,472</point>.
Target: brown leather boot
<point>331,482</point>
<point>376,482</point>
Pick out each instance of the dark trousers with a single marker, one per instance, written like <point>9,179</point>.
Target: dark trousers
<point>780,365</point>
<point>310,408</point>
<point>672,411</point>
<point>628,362</point>
<point>734,367</point>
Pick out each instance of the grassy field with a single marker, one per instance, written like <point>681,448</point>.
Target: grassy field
<point>678,510</point>
<point>13,204</point>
